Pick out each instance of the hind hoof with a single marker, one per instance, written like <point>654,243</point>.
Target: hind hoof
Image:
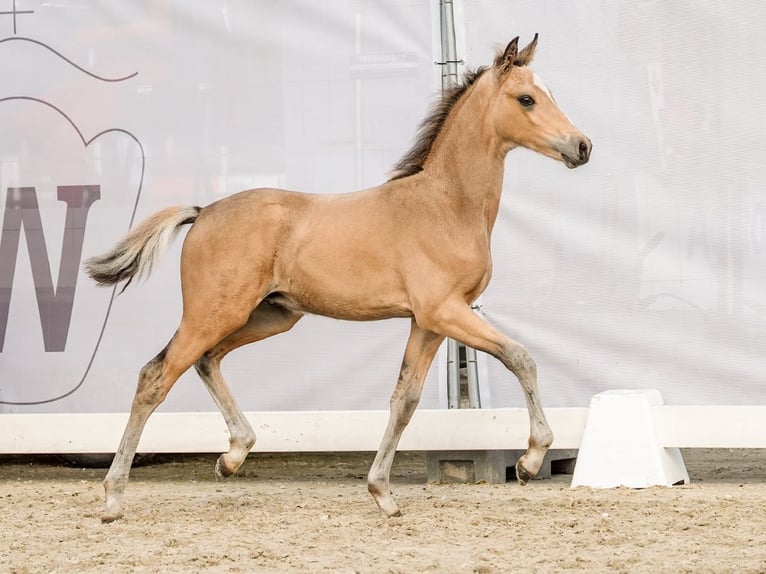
<point>107,517</point>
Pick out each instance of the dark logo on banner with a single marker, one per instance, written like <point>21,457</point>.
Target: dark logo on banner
<point>70,338</point>
<point>54,302</point>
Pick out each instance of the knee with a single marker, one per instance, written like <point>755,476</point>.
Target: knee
<point>518,360</point>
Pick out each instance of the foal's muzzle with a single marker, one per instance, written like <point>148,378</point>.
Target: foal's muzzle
<point>576,153</point>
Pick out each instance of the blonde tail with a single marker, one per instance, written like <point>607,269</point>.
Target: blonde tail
<point>136,253</point>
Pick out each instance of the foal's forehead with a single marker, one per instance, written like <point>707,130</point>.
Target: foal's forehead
<point>538,81</point>
<point>528,76</point>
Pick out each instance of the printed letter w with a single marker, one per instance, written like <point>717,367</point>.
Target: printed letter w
<point>55,306</point>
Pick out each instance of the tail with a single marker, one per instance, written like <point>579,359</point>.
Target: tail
<point>136,253</point>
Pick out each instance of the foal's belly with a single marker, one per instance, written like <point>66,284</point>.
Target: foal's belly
<point>340,272</point>
<point>348,308</point>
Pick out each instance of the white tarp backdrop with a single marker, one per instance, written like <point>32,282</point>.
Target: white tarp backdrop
<point>214,97</point>
<point>647,267</point>
<point>643,269</point>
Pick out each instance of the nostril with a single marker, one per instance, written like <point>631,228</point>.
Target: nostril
<point>584,150</point>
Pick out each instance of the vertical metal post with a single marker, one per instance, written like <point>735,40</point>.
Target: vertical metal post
<point>472,368</point>
<point>449,46</point>
<point>453,374</point>
<point>358,153</point>
<point>449,65</point>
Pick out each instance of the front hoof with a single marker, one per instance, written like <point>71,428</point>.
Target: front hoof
<point>385,501</point>
<point>222,472</point>
<point>522,474</point>
<point>113,509</point>
<point>389,508</point>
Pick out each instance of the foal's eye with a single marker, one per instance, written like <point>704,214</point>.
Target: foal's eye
<point>526,101</point>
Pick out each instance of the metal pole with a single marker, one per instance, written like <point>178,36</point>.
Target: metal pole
<point>471,366</point>
<point>453,374</point>
<point>449,66</point>
<point>358,153</point>
<point>449,46</point>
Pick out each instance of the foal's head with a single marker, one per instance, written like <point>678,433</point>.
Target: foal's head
<point>525,113</point>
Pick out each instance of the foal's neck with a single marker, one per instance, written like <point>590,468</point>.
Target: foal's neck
<point>468,156</point>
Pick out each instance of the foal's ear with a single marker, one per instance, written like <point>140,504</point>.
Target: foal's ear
<point>526,56</point>
<point>504,61</point>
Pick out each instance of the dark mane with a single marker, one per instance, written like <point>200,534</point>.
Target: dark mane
<point>429,128</point>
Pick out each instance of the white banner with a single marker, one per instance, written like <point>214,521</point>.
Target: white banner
<point>645,268</point>
<point>113,110</point>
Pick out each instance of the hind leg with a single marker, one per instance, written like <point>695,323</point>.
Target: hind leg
<point>266,320</point>
<point>154,382</point>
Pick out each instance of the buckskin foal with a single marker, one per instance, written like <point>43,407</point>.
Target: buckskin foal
<point>417,246</point>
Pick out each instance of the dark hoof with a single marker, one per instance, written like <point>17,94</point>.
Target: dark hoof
<point>523,475</point>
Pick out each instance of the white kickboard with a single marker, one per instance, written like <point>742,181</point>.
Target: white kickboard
<point>621,446</point>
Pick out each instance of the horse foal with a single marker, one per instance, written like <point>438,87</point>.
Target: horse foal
<point>417,246</point>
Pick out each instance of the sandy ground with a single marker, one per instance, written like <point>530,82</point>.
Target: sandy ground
<point>287,513</point>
